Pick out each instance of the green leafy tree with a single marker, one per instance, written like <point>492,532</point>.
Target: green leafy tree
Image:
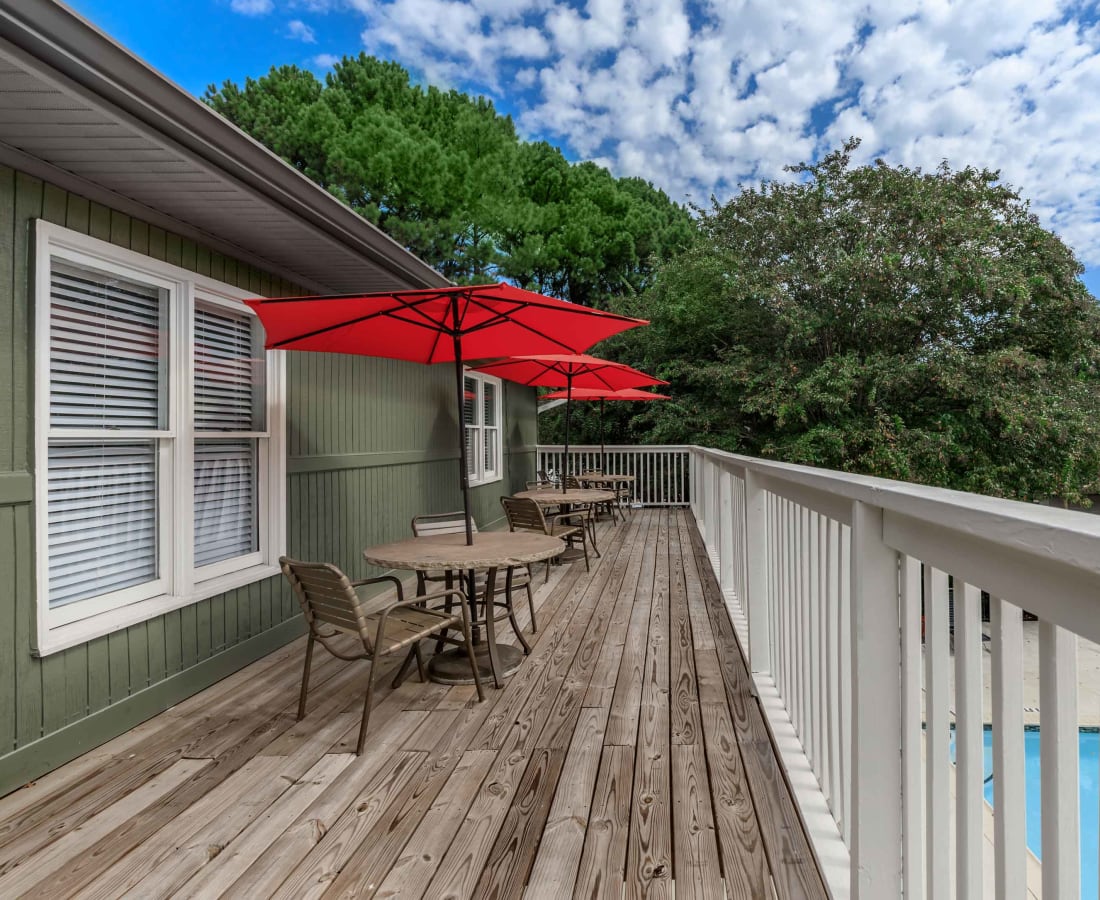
<point>883,320</point>
<point>446,176</point>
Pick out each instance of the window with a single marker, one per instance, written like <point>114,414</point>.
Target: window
<point>483,431</point>
<point>159,439</point>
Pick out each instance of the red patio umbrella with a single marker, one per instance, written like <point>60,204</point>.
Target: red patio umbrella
<point>567,370</point>
<point>436,325</point>
<point>602,395</point>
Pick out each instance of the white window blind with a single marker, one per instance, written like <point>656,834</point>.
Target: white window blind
<point>102,518</point>
<point>107,376</point>
<point>228,398</point>
<point>225,500</point>
<point>106,351</point>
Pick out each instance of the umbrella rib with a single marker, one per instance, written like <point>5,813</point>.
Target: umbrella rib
<point>359,320</point>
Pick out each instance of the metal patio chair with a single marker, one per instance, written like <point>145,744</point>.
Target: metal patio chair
<point>514,578</point>
<point>384,625</point>
<point>527,515</point>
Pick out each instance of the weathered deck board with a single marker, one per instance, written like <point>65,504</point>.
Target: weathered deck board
<point>626,757</point>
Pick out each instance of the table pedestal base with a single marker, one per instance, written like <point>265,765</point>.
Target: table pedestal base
<point>453,666</point>
<point>573,555</point>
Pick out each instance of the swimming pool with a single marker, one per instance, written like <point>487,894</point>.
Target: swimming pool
<point>1089,743</point>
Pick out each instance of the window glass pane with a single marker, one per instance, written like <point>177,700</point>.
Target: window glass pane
<point>490,403</point>
<point>470,401</point>
<point>492,449</point>
<point>107,351</point>
<point>101,513</point>
<point>229,369</point>
<point>471,452</point>
<point>225,500</point>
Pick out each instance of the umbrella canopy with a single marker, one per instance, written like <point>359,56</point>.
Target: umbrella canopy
<point>602,395</point>
<point>437,325</point>
<point>572,371</point>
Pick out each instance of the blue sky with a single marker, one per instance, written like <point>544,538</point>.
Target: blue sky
<point>698,96</point>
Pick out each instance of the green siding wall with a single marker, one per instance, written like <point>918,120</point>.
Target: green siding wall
<point>370,444</point>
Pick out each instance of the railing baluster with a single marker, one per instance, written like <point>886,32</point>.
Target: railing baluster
<point>911,730</point>
<point>845,694</point>
<point>876,715</point>
<point>1009,833</point>
<point>969,752</point>
<point>1058,748</point>
<point>832,664</point>
<point>938,734</point>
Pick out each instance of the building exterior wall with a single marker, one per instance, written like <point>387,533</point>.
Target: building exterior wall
<point>370,444</point>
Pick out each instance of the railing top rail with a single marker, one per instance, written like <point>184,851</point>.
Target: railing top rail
<point>589,448</point>
<point>1068,537</point>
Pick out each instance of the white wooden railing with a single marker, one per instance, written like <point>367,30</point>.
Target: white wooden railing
<point>858,603</point>
<point>660,472</point>
<point>827,576</point>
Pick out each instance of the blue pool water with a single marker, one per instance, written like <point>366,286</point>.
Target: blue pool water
<point>1089,743</point>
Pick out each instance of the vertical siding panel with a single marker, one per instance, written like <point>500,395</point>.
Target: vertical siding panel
<point>28,683</point>
<point>157,242</point>
<point>76,684</point>
<point>139,237</point>
<point>173,642</point>
<point>217,266</point>
<point>154,638</point>
<point>188,255</point>
<point>173,249</point>
<point>99,222</point>
<point>9,642</point>
<point>118,649</point>
<point>99,674</point>
<point>120,229</point>
<point>189,636</point>
<point>77,214</point>
<point>55,204</point>
<point>202,629</point>
<point>12,345</point>
<point>137,639</point>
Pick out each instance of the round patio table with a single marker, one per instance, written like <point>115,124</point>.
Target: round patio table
<point>490,551</point>
<point>571,497</point>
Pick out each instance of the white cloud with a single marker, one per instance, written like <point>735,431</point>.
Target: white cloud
<point>325,60</point>
<point>300,31</point>
<point>700,96</point>
<point>252,7</point>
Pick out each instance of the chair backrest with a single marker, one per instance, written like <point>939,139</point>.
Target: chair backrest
<point>523,514</point>
<point>540,485</point>
<point>572,482</point>
<point>442,523</point>
<point>326,596</point>
<point>543,476</point>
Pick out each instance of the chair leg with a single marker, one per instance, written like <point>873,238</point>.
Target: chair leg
<point>512,614</point>
<point>584,546</point>
<point>404,670</point>
<point>305,678</point>
<point>531,604</point>
<point>470,653</point>
<point>366,710</point>
<point>491,628</point>
<point>420,662</point>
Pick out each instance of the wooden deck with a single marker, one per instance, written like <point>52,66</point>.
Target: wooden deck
<point>626,758</point>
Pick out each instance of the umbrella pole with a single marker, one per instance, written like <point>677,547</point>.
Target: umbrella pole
<point>568,410</point>
<point>460,392</point>
<point>603,452</point>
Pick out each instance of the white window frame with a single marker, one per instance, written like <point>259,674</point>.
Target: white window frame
<point>179,583</point>
<point>480,475</point>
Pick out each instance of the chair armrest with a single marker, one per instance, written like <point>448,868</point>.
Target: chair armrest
<point>460,596</point>
<point>569,515</point>
<point>383,579</point>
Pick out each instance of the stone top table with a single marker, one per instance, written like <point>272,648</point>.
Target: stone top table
<point>556,496</point>
<point>491,550</point>
<point>601,478</point>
